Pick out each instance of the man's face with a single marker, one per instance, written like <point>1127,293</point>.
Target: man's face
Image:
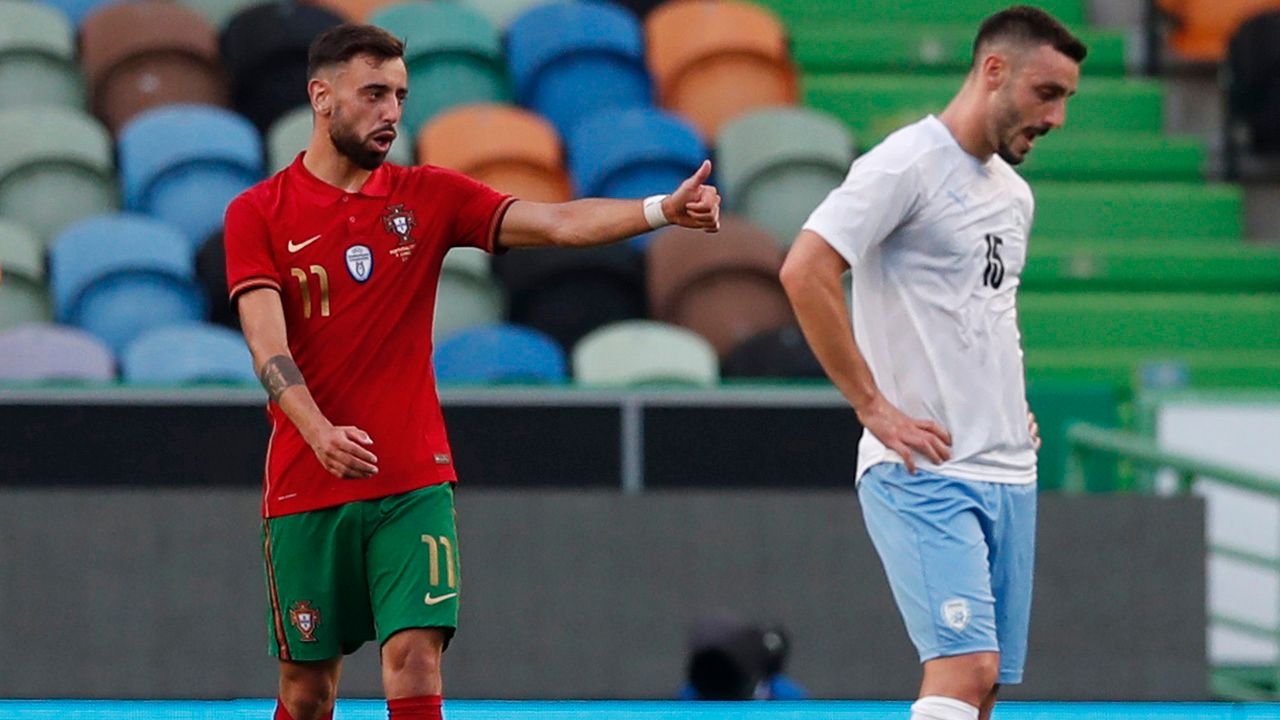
<point>1031,101</point>
<point>366,98</point>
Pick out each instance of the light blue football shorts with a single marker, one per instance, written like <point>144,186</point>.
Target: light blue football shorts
<point>959,555</point>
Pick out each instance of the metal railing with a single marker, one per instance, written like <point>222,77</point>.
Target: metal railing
<point>1087,440</point>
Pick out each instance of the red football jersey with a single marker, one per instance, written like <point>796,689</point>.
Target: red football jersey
<point>357,274</point>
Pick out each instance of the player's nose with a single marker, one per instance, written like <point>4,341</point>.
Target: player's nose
<point>1057,116</point>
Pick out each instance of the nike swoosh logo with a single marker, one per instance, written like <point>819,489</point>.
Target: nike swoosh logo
<point>295,248</point>
<point>437,600</point>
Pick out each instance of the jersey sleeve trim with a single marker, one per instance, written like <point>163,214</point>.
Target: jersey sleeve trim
<point>495,225</point>
<point>252,283</point>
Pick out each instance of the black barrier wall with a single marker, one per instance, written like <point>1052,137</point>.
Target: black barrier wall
<point>143,592</point>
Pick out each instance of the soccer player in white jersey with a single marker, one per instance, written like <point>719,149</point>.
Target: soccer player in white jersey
<point>934,224</point>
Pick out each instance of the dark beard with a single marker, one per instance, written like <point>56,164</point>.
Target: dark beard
<point>355,150</point>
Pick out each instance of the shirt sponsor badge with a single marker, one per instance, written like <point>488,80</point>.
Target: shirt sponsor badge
<point>360,262</point>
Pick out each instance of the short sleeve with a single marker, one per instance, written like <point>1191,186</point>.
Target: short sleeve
<point>874,199</point>
<point>480,210</point>
<point>250,264</point>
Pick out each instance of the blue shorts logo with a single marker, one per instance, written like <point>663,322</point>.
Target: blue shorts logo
<point>359,262</point>
<point>956,613</point>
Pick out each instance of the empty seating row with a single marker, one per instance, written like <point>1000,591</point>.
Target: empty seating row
<point>971,12</point>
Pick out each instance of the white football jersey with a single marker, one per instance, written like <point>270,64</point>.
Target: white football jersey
<point>937,241</point>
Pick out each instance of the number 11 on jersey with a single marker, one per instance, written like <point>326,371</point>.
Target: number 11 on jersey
<point>305,286</point>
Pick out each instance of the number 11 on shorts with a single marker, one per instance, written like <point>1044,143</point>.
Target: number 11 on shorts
<point>437,545</point>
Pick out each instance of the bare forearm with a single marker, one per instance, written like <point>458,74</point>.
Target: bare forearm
<point>286,387</point>
<point>824,319</point>
<point>597,221</point>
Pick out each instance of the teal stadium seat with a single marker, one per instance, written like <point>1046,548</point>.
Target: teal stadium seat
<point>644,352</point>
<point>38,57</point>
<point>290,134</point>
<point>454,55</point>
<point>775,166</point>
<point>56,167</point>
<point>24,295</point>
<point>501,13</point>
<point>1133,211</point>
<point>468,296</point>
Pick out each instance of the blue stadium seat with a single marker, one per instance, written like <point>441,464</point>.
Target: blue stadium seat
<point>570,60</point>
<point>188,353</point>
<point>185,163</point>
<point>658,153</point>
<point>118,276</point>
<point>500,353</point>
<point>77,10</point>
<point>44,352</point>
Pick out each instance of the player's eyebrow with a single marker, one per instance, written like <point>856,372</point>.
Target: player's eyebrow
<point>1056,88</point>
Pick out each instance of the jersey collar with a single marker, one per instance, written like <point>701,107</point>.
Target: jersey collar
<point>377,185</point>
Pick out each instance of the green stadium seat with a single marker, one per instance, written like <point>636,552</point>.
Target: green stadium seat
<point>454,55</point>
<point>1215,368</point>
<point>1147,210</point>
<point>875,105</point>
<point>861,47</point>
<point>289,136</point>
<point>24,295</point>
<point>1057,404</point>
<point>1150,321</point>
<point>776,165</point>
<point>468,295</point>
<point>62,169</point>
<point>1129,265</point>
<point>798,12</point>
<point>644,352</point>
<point>38,57</point>
<point>1075,155</point>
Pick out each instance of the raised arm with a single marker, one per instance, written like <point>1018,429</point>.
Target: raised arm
<point>811,276</point>
<point>594,221</point>
<point>342,451</point>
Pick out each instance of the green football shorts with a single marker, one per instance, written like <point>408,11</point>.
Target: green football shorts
<point>341,576</point>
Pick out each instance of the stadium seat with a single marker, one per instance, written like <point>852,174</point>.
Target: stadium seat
<point>1160,266</point>
<point>572,60</point>
<point>641,8</point>
<point>1137,210</point>
<point>736,61</point>
<point>1203,28</point>
<point>644,352</point>
<point>661,152</point>
<point>220,13</point>
<point>118,276</point>
<point>468,295</point>
<point>24,296</point>
<point>55,168</point>
<point>775,166</point>
<point>499,354</point>
<point>38,57</point>
<point>188,353</point>
<point>502,13</point>
<point>185,163</point>
<point>568,293</point>
<point>290,134</point>
<point>45,352</point>
<point>875,105</point>
<point>453,53</point>
<point>1252,79</point>
<point>353,10</point>
<point>211,272</point>
<point>724,287</point>
<point>1259,369</point>
<point>511,150</point>
<point>75,11</point>
<point>862,47</point>
<point>264,50</point>
<point>1075,155</point>
<point>778,354</point>
<point>147,53</point>
<point>968,12</point>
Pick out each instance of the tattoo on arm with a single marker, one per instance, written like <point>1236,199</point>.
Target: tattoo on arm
<point>279,374</point>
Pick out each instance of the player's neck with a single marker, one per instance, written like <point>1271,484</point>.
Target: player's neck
<point>965,120</point>
<point>324,161</point>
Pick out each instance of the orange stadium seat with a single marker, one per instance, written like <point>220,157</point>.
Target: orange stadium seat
<point>714,60</point>
<point>724,287</point>
<point>505,147</point>
<point>1204,27</point>
<point>140,55</point>
<point>353,10</point>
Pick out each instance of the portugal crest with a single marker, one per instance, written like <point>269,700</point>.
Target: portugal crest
<point>305,618</point>
<point>401,222</point>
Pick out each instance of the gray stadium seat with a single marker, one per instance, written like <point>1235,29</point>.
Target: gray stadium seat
<point>468,295</point>
<point>644,352</point>
<point>44,352</point>
<point>24,295</point>
<point>38,57</point>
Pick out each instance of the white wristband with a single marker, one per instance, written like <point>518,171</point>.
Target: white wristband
<point>653,211</point>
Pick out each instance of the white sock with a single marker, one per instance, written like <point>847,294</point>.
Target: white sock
<point>937,707</point>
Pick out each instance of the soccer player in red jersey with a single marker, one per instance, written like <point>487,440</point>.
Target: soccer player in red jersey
<point>334,264</point>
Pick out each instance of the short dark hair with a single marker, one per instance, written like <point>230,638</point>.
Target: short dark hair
<point>1029,25</point>
<point>340,43</point>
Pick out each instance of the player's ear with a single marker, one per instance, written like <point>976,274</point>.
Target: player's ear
<point>994,69</point>
<point>321,94</point>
